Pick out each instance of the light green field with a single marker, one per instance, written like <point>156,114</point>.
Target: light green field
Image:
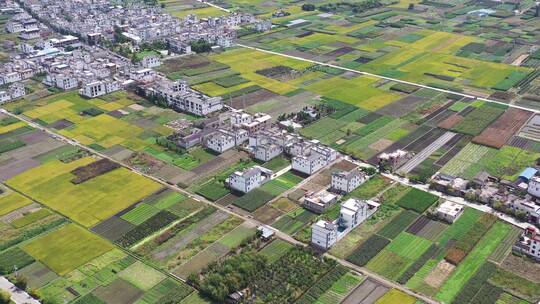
<point>67,248</point>
<point>11,201</point>
<point>141,275</point>
<point>87,203</point>
<point>474,260</point>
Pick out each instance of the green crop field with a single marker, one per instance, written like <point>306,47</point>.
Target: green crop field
<point>67,248</point>
<point>10,201</point>
<point>473,261</point>
<point>275,250</point>
<point>142,276</point>
<point>417,200</point>
<point>87,203</point>
<point>140,214</point>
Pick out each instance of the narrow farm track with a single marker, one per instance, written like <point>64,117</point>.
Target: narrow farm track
<point>426,152</point>
<point>278,233</point>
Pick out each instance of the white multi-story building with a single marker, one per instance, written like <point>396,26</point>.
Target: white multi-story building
<point>324,234</point>
<point>219,142</point>
<point>266,152</point>
<point>347,181</point>
<point>534,186</point>
<point>29,34</point>
<point>449,211</point>
<point>529,243</point>
<point>62,81</point>
<point>17,90</point>
<point>308,164</point>
<point>178,94</point>
<point>151,61</point>
<point>4,97</point>
<point>527,206</point>
<point>249,179</point>
<point>93,89</point>
<point>11,77</point>
<point>353,212</point>
<point>14,91</point>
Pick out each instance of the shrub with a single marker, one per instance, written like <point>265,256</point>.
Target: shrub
<point>370,248</point>
<point>20,281</point>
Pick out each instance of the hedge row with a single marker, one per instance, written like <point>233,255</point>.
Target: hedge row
<point>370,248</point>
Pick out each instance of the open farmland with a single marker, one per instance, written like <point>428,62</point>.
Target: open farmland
<point>87,203</point>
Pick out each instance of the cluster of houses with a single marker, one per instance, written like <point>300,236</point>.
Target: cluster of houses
<point>99,20</point>
<point>177,94</point>
<point>520,198</point>
<point>24,26</point>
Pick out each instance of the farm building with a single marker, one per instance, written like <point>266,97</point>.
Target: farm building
<point>320,201</point>
<point>353,212</point>
<point>347,181</point>
<point>449,211</point>
<point>249,179</point>
<point>529,243</point>
<point>324,234</point>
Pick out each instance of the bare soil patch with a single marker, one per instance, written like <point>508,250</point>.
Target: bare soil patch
<point>439,274</point>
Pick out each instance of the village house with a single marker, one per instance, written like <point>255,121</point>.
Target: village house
<point>319,202</point>
<point>449,211</point>
<point>347,181</point>
<point>529,243</point>
<point>353,212</point>
<point>150,61</point>
<point>249,179</point>
<point>316,158</point>
<point>15,91</point>
<point>223,140</point>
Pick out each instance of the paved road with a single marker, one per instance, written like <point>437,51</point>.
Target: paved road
<point>17,295</point>
<point>278,233</point>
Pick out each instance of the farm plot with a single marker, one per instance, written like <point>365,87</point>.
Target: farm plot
<point>500,131</point>
<point>275,250</point>
<point>417,200</point>
<point>399,255</point>
<point>480,118</point>
<point>472,262</point>
<point>87,203</point>
<point>398,224</point>
<point>67,248</point>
